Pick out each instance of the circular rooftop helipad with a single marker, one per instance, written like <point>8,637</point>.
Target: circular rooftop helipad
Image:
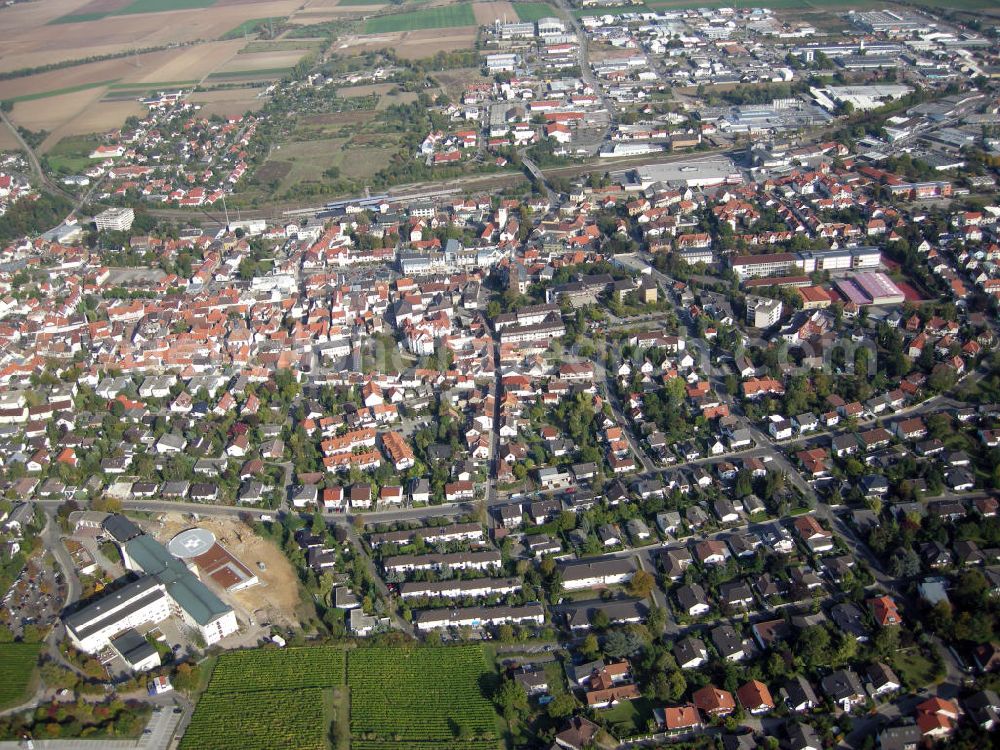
<point>191,543</point>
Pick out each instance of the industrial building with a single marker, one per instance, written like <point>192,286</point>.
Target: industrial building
<point>866,97</point>
<point>709,172</point>
<point>870,289</point>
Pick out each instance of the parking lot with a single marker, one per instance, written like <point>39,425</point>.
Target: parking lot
<point>34,598</point>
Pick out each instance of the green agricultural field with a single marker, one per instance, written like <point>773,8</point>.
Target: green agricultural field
<point>159,6</point>
<point>258,721</point>
<point>445,17</point>
<point>345,3</point>
<point>244,75</point>
<point>613,10</point>
<point>528,12</point>
<point>136,6</point>
<point>264,698</point>
<point>427,697</point>
<point>414,698</point>
<point>772,4</point>
<point>77,18</point>
<point>959,4</point>
<point>60,92</point>
<point>274,669</point>
<point>17,665</point>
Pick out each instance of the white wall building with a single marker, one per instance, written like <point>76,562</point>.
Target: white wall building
<point>143,602</point>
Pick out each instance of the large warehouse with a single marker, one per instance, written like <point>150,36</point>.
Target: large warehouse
<point>870,289</point>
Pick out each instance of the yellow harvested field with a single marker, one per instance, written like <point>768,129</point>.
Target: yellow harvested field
<point>7,140</point>
<point>487,13</point>
<point>80,112</point>
<point>193,63</point>
<point>226,102</point>
<point>371,88</point>
<point>412,45</point>
<point>180,64</point>
<point>55,111</point>
<point>26,41</point>
<point>263,61</point>
<point>97,118</point>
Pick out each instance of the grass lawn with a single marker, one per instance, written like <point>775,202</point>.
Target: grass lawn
<point>72,155</point>
<point>428,18</point>
<point>914,669</point>
<point>300,162</point>
<point>17,665</point>
<point>629,717</point>
<point>533,11</point>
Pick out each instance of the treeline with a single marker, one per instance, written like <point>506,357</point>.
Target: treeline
<point>32,216</point>
<point>764,94</point>
<point>23,72</point>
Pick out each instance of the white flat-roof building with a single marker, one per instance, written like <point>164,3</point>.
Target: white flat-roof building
<point>115,220</point>
<point>695,173</point>
<point>142,602</point>
<point>763,312</point>
<point>476,617</point>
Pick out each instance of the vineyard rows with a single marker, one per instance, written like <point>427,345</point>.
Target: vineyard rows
<point>420,699</point>
<point>400,698</point>
<point>258,721</point>
<point>17,662</point>
<point>274,669</point>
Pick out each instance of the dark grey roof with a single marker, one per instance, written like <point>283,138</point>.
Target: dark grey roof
<point>132,646</point>
<point>121,528</point>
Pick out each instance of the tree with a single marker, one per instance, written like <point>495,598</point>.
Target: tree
<point>886,641</point>
<point>562,706</point>
<point>641,584</point>
<point>904,563</point>
<point>505,633</point>
<point>591,648</point>
<point>656,621</point>
<point>620,643</point>
<point>512,699</point>
<point>813,646</point>
<point>600,620</point>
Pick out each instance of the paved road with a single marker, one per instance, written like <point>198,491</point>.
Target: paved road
<point>161,729</point>
<point>626,424</point>
<point>373,571</point>
<point>51,540</point>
